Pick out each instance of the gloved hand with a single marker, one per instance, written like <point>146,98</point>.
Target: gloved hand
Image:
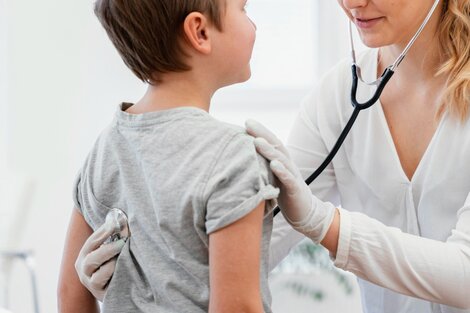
<point>305,212</point>
<point>96,261</point>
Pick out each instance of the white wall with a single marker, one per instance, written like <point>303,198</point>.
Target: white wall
<point>3,129</point>
<point>333,39</point>
<point>60,82</point>
<point>283,66</point>
<point>64,80</point>
<point>3,83</point>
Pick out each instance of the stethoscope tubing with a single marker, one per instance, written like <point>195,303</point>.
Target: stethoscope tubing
<point>332,153</point>
<point>358,107</point>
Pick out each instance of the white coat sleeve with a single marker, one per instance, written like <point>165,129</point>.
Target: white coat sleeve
<point>308,151</point>
<point>415,266</point>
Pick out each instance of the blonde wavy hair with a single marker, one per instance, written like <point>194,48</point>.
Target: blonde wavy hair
<point>454,38</point>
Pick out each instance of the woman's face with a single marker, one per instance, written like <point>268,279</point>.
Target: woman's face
<point>387,22</point>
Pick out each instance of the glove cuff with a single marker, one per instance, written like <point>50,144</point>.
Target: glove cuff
<point>317,222</point>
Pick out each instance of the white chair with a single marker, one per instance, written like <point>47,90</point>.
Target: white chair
<point>16,195</point>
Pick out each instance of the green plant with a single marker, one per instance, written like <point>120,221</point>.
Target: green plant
<point>309,258</point>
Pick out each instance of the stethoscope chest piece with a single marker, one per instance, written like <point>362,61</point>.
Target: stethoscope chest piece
<point>117,219</point>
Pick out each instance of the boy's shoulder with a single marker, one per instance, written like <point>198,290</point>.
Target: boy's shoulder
<point>230,144</point>
<point>237,146</point>
<point>233,134</point>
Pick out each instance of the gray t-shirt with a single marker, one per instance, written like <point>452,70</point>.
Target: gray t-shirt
<point>179,175</point>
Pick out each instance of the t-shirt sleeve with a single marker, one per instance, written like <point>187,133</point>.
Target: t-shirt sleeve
<point>81,199</point>
<point>77,194</point>
<point>240,180</point>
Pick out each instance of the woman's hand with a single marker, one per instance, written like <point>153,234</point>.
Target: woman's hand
<point>96,261</point>
<point>306,213</point>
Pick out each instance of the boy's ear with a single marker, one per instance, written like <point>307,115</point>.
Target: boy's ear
<point>197,32</point>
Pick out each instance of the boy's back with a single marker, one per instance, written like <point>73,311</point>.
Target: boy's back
<point>179,175</point>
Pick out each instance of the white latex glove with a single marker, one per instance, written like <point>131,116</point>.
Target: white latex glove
<point>96,261</point>
<point>305,212</point>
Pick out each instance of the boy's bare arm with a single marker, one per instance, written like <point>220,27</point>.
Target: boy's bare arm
<point>234,259</point>
<point>72,296</point>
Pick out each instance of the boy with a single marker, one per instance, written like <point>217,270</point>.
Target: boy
<point>197,195</point>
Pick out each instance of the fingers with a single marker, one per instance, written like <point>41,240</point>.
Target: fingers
<point>97,284</point>
<point>285,177</point>
<point>99,280</point>
<point>256,130</point>
<point>97,238</point>
<point>270,153</point>
<point>95,259</point>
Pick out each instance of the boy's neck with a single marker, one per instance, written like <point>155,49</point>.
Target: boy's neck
<point>176,90</point>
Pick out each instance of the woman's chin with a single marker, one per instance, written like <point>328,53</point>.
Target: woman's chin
<point>373,41</point>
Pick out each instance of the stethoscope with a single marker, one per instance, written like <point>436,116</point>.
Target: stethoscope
<point>118,218</point>
<point>380,84</point>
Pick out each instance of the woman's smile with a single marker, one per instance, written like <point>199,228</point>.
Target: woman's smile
<point>367,23</point>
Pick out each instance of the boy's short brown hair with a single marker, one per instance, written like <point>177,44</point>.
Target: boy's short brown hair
<point>146,33</point>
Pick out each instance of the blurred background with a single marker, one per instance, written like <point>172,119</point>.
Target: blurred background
<point>60,83</point>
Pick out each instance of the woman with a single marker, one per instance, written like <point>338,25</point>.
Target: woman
<point>403,174</point>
